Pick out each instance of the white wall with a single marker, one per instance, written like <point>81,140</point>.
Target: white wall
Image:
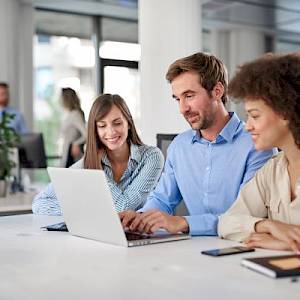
<point>168,30</point>
<point>235,47</point>
<point>16,64</point>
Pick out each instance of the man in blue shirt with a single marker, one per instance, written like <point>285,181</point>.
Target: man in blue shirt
<point>18,122</point>
<point>206,165</point>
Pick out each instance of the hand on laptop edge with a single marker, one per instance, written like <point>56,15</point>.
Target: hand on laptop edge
<point>152,220</point>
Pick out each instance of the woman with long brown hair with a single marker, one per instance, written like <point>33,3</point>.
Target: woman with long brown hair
<point>132,169</point>
<point>73,129</point>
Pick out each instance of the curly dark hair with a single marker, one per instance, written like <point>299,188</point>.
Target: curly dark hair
<point>276,80</point>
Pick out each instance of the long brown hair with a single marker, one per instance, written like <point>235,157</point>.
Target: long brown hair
<point>71,101</point>
<point>101,107</point>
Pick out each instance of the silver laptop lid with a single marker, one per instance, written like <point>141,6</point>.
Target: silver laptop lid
<point>87,204</point>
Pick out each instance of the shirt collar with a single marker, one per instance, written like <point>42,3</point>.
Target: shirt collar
<point>227,133</point>
<point>134,155</point>
<point>230,129</point>
<point>282,160</point>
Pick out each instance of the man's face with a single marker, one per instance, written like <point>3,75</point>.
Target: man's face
<point>3,96</point>
<point>197,107</point>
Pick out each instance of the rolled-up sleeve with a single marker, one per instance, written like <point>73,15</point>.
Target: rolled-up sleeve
<point>249,208</point>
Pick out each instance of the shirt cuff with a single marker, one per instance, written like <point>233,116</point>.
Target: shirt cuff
<point>202,224</point>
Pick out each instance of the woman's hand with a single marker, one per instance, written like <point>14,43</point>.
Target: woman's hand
<point>289,234</point>
<point>265,240</point>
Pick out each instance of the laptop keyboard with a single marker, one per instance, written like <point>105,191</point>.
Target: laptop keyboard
<point>132,236</point>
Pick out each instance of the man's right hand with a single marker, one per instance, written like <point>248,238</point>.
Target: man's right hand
<point>127,216</point>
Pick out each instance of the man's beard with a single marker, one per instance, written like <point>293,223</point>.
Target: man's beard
<point>203,122</point>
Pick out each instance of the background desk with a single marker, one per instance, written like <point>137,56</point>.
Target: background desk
<point>20,203</point>
<point>37,264</point>
<point>16,203</point>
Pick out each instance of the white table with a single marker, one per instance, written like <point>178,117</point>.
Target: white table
<point>37,264</point>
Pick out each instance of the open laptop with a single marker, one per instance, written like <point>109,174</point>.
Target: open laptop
<point>89,211</point>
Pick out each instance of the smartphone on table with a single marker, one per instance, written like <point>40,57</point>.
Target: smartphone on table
<point>227,251</point>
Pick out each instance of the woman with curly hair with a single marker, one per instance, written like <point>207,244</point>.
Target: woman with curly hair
<point>266,213</point>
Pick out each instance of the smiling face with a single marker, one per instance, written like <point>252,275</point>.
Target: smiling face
<point>195,104</point>
<point>268,129</point>
<point>113,129</point>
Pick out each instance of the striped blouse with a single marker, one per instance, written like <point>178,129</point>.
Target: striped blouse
<point>144,167</point>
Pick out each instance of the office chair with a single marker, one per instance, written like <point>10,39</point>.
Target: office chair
<point>163,141</point>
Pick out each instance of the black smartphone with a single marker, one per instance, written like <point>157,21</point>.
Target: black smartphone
<point>227,251</point>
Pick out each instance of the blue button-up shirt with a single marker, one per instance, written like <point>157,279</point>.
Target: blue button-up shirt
<point>18,122</point>
<point>207,175</point>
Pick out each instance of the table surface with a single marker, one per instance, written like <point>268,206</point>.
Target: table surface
<point>37,264</point>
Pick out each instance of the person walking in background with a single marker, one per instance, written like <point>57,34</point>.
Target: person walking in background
<point>266,213</point>
<point>132,168</point>
<point>73,128</point>
<point>18,122</point>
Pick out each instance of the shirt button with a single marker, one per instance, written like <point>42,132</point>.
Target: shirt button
<point>207,168</point>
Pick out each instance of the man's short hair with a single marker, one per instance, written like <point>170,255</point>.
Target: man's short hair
<point>4,85</point>
<point>210,69</point>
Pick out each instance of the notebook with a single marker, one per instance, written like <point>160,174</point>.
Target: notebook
<point>275,266</point>
<point>89,211</point>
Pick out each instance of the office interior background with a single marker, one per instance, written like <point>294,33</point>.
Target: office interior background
<point>125,47</point>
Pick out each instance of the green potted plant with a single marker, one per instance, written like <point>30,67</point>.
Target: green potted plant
<point>8,141</point>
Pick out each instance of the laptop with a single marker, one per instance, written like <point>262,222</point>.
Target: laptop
<point>89,211</point>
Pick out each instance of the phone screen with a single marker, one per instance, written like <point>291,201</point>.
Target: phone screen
<point>227,251</point>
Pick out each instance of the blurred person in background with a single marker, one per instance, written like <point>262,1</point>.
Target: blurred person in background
<point>18,122</point>
<point>73,128</point>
